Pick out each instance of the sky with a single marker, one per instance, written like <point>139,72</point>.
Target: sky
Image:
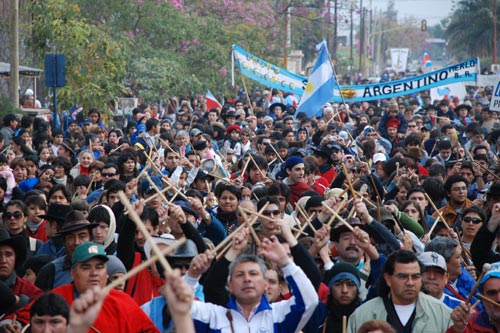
<point>431,10</point>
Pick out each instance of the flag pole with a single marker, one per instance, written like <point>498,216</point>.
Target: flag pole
<point>335,77</point>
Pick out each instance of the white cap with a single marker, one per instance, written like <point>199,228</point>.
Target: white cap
<point>433,259</point>
<point>29,92</point>
<point>344,135</point>
<point>379,157</point>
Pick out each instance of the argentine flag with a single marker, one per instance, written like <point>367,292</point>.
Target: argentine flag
<point>320,86</point>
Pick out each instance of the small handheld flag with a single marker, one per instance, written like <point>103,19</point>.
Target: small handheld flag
<point>426,64</point>
<point>211,101</point>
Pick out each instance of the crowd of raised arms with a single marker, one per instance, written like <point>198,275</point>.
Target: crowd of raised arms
<point>381,216</point>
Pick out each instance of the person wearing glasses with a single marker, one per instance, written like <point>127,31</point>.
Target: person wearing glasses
<point>109,171</point>
<point>14,218</point>
<point>472,220</point>
<point>455,188</point>
<point>400,302</point>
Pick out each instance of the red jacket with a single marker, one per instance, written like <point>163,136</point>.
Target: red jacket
<point>296,191</point>
<point>478,323</point>
<point>119,313</point>
<point>40,233</point>
<point>143,286</point>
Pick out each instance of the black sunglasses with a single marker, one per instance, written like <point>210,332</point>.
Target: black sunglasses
<point>474,220</point>
<point>17,214</point>
<point>271,212</point>
<point>108,174</point>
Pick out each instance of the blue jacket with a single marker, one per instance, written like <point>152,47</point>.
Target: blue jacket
<point>285,316</point>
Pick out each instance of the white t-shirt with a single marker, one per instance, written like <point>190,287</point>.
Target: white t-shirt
<point>404,312</point>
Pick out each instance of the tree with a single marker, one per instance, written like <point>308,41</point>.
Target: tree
<point>470,31</point>
<point>95,63</point>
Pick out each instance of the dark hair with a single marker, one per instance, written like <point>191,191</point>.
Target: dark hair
<point>279,189</point>
<point>413,139</point>
<point>474,209</point>
<point>443,144</point>
<point>51,305</point>
<point>19,204</point>
<point>82,180</point>
<point>150,214</point>
<point>194,194</point>
<point>36,200</point>
<point>452,180</point>
<point>220,188</point>
<point>437,170</point>
<point>150,123</point>
<point>99,214</point>
<point>399,256</point>
<point>62,188</point>
<point>267,199</point>
<point>64,162</point>
<point>3,183</point>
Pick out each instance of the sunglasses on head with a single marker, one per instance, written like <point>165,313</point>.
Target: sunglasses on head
<point>474,220</point>
<point>17,214</point>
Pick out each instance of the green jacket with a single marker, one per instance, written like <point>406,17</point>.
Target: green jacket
<point>432,315</point>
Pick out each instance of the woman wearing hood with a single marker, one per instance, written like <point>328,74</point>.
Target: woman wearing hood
<point>104,233</point>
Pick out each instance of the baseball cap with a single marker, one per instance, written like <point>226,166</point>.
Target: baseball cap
<point>494,272</point>
<point>379,157</point>
<point>146,187</point>
<point>433,259</point>
<point>87,251</point>
<point>165,239</point>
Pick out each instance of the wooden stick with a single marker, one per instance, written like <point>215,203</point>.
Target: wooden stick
<point>248,96</point>
<point>434,225</point>
<point>143,265</point>
<point>173,151</point>
<point>173,187</point>
<point>342,204</point>
<point>487,299</point>
<point>475,304</point>
<point>437,210</point>
<point>349,184</point>
<point>250,226</point>
<point>25,328</point>
<point>230,236</point>
<point>397,169</point>
<point>487,170</point>
<point>260,170</point>
<point>145,169</point>
<point>160,193</point>
<point>223,251</point>
<point>299,231</point>
<point>344,324</point>
<point>115,149</point>
<point>90,184</point>
<point>476,285</point>
<point>245,167</point>
<point>338,216</point>
<point>307,218</point>
<point>132,214</point>
<point>277,154</point>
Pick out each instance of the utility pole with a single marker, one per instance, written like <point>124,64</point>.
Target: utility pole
<point>494,3</point>
<point>14,52</point>
<point>361,35</point>
<point>351,59</point>
<point>335,30</point>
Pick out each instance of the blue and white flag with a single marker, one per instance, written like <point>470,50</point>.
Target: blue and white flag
<point>320,86</point>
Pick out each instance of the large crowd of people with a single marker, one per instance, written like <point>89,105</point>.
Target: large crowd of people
<point>380,216</point>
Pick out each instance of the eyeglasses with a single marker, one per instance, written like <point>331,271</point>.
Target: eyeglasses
<point>474,220</point>
<point>108,174</point>
<point>271,212</point>
<point>405,277</point>
<point>17,215</point>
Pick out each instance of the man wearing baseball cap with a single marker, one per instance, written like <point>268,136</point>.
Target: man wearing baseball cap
<point>468,320</point>
<point>119,311</point>
<point>435,278</point>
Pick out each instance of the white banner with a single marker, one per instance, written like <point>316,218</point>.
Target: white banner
<point>399,58</point>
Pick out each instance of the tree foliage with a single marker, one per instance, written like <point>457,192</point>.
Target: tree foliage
<point>470,30</point>
<point>94,59</point>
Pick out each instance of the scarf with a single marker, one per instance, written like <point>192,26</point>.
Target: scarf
<point>333,322</point>
<point>60,180</point>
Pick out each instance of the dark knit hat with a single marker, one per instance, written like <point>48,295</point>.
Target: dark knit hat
<point>292,161</point>
<point>343,271</point>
